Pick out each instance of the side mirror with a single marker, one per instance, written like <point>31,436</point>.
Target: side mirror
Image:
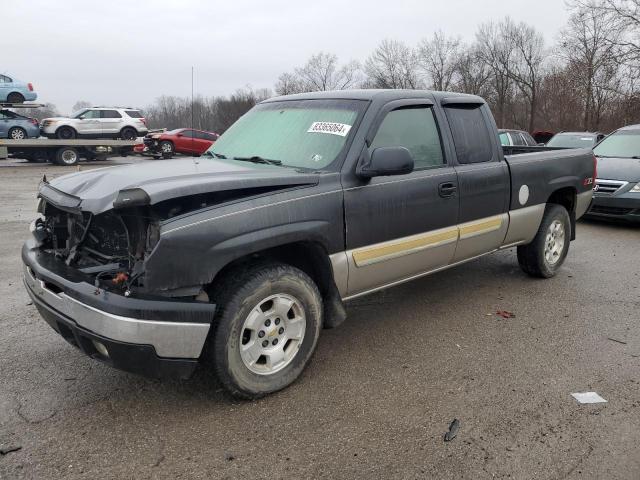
<point>386,161</point>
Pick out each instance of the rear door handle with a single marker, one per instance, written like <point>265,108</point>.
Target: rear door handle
<point>447,189</point>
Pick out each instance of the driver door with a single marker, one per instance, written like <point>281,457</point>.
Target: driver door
<point>89,123</point>
<point>399,227</point>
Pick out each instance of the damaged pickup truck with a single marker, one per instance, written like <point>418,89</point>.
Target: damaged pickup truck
<point>236,260</point>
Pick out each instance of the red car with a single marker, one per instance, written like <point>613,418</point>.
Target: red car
<point>182,140</point>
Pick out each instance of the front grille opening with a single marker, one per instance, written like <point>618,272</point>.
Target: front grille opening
<point>611,210</point>
<point>52,288</point>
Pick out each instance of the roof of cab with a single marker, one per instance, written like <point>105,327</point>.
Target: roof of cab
<point>631,127</point>
<point>374,94</point>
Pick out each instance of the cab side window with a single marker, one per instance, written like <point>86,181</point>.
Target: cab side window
<point>417,131</point>
<point>471,136</point>
<point>90,114</point>
<point>110,114</point>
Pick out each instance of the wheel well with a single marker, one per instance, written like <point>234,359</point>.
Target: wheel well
<point>310,257</point>
<point>128,127</point>
<point>14,93</point>
<point>65,126</point>
<point>567,198</point>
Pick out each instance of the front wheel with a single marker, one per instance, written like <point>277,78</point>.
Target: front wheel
<point>167,148</point>
<point>548,250</point>
<point>266,329</point>
<point>66,133</point>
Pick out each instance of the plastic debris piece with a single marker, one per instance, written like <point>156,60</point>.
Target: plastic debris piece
<point>505,314</point>
<point>616,340</point>
<point>453,430</point>
<point>588,397</point>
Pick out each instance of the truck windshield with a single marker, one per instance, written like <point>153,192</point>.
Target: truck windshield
<point>568,140</point>
<point>622,144</point>
<point>303,134</point>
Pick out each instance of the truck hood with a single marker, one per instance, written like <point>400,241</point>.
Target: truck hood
<point>96,190</point>
<point>625,169</point>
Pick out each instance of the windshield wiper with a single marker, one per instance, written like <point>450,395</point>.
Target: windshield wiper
<point>258,159</point>
<point>216,155</point>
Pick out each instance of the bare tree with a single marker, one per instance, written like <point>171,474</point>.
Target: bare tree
<point>393,65</point>
<point>80,104</point>
<point>626,13</point>
<point>493,49</point>
<point>526,68</point>
<point>589,46</point>
<point>288,83</point>
<point>473,75</point>
<point>439,58</point>
<point>322,72</point>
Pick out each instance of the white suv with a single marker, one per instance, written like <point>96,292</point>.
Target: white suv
<point>97,122</point>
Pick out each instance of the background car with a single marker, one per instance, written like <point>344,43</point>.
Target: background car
<point>17,127</point>
<point>15,91</point>
<point>575,139</point>
<point>182,140</point>
<point>97,122</point>
<point>516,137</point>
<point>616,194</point>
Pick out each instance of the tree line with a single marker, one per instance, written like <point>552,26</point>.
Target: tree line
<point>586,80</point>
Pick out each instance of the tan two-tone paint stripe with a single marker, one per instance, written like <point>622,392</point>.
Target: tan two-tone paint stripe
<point>415,243</point>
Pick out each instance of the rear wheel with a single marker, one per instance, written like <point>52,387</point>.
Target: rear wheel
<point>128,133</point>
<point>266,329</point>
<point>66,133</point>
<point>15,97</point>
<point>548,250</point>
<point>67,156</point>
<point>17,133</point>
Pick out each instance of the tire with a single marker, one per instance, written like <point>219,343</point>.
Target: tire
<point>266,329</point>
<point>15,97</point>
<point>128,133</point>
<point>66,133</point>
<point>67,156</point>
<point>544,256</point>
<point>167,149</point>
<point>17,133</point>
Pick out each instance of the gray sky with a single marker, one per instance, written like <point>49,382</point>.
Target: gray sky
<point>125,52</point>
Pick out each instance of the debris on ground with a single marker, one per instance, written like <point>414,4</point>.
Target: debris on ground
<point>28,303</point>
<point>6,450</point>
<point>505,314</point>
<point>588,397</point>
<point>229,457</point>
<point>616,340</point>
<point>453,430</point>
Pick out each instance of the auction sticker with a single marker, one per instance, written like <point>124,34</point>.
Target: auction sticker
<point>340,129</point>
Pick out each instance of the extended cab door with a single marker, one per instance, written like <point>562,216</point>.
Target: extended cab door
<point>401,226</point>
<point>483,178</point>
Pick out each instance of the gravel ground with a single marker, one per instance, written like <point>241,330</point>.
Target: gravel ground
<point>379,394</point>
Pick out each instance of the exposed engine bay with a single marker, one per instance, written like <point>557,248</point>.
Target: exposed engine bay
<point>110,247</point>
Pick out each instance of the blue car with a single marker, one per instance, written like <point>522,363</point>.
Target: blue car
<point>17,127</point>
<point>15,91</point>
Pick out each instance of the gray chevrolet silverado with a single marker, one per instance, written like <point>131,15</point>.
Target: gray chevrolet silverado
<point>236,260</point>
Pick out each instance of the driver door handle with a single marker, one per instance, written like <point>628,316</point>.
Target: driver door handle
<point>447,189</point>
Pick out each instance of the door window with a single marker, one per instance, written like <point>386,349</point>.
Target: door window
<point>416,130</point>
<point>110,114</point>
<point>471,136</point>
<point>517,139</point>
<point>187,133</point>
<point>5,79</point>
<point>90,114</point>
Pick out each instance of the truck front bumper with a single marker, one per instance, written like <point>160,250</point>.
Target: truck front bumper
<point>153,337</point>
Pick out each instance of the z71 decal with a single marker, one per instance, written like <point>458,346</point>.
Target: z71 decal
<point>330,127</point>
